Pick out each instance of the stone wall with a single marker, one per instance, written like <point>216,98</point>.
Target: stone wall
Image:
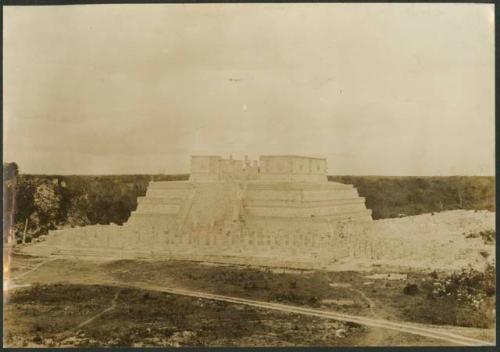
<point>288,168</point>
<point>291,168</point>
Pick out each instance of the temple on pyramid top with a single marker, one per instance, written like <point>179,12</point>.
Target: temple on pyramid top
<point>287,168</point>
<point>279,206</point>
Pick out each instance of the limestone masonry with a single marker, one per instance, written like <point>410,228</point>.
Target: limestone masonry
<point>278,211</point>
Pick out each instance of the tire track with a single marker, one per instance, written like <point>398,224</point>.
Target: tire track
<point>112,306</point>
<point>430,332</point>
<point>36,267</point>
<point>68,333</point>
<point>411,328</point>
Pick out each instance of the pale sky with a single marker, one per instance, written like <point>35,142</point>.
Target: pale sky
<point>379,89</point>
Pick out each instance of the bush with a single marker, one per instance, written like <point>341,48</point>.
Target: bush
<point>468,286</point>
<point>411,289</point>
<point>465,298</point>
<point>489,236</point>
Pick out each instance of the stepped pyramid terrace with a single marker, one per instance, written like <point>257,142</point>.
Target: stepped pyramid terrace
<point>279,210</point>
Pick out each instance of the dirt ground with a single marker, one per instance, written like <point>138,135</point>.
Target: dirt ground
<point>63,295</point>
<point>51,314</point>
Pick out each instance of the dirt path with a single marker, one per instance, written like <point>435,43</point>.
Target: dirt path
<point>68,333</point>
<point>370,302</point>
<point>404,327</point>
<point>112,306</point>
<point>36,267</point>
<point>375,336</point>
<point>415,329</point>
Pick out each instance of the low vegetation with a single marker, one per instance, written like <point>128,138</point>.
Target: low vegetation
<point>48,312</point>
<point>301,288</point>
<point>464,298</point>
<point>49,316</point>
<point>488,236</point>
<point>390,197</point>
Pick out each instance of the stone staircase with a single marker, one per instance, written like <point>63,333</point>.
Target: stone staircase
<point>253,218</point>
<point>333,201</point>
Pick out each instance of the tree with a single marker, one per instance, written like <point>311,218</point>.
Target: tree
<point>46,200</point>
<point>77,210</point>
<point>47,204</point>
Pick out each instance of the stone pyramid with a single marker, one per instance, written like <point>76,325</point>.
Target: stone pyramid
<point>277,206</point>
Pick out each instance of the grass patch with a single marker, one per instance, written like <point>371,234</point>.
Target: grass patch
<point>488,236</point>
<point>465,298</point>
<point>47,315</point>
<point>306,288</point>
<point>412,299</point>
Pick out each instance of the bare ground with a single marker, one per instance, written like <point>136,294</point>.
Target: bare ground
<point>66,293</point>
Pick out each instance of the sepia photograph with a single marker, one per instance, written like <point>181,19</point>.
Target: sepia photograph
<point>249,175</point>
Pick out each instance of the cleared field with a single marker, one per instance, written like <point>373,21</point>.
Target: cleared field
<point>50,315</point>
<point>66,293</point>
<point>376,293</point>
